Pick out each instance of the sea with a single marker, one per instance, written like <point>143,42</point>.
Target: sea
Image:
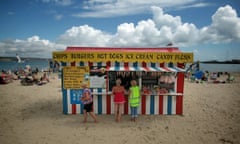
<point>40,64</point>
<point>219,67</point>
<point>43,64</point>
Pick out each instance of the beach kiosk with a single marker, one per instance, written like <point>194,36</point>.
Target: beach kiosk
<point>158,71</point>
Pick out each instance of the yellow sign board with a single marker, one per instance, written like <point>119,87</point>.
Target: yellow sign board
<point>74,76</point>
<point>175,57</point>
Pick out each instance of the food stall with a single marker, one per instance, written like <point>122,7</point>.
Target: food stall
<point>158,71</point>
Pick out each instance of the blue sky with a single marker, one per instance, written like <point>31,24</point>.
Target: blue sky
<point>35,28</point>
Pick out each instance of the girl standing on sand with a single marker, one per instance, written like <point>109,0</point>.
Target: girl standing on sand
<point>119,99</point>
<point>87,100</point>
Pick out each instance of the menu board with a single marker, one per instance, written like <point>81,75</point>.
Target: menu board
<point>74,76</point>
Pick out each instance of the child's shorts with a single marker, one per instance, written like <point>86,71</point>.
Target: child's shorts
<point>88,107</point>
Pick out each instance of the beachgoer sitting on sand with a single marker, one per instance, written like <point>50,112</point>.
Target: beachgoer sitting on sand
<point>213,76</point>
<point>230,78</point>
<point>5,78</point>
<point>44,79</point>
<point>35,78</point>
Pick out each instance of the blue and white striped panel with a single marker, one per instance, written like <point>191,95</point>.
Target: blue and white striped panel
<point>172,69</point>
<point>69,105</point>
<point>131,67</point>
<point>160,69</point>
<point>152,104</point>
<point>169,105</point>
<point>64,94</point>
<point>179,69</point>
<point>138,66</point>
<point>82,64</point>
<point>150,67</point>
<point>99,64</point>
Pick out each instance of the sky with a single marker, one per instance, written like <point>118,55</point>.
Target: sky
<point>36,28</point>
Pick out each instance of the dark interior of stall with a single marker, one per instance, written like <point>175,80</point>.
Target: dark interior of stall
<point>151,82</point>
<point>125,77</point>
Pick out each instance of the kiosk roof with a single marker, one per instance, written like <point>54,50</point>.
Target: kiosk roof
<point>122,49</point>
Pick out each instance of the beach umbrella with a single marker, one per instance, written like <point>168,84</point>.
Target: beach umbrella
<point>199,74</point>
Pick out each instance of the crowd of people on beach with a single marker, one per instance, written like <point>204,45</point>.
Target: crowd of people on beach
<point>210,77</point>
<point>27,76</point>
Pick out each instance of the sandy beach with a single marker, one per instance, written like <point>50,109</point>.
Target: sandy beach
<point>33,115</point>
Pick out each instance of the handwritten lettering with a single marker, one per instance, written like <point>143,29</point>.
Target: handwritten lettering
<point>73,76</point>
<point>164,57</point>
<point>144,56</point>
<point>82,56</point>
<point>182,57</point>
<point>116,56</point>
<point>123,56</point>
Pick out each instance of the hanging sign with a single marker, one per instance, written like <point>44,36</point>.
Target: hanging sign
<point>175,57</point>
<point>74,76</point>
<point>98,77</point>
<point>76,96</point>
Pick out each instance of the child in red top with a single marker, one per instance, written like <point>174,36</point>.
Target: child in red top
<point>119,99</point>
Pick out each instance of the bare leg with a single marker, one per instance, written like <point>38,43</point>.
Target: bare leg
<point>85,116</point>
<point>120,112</point>
<point>116,111</point>
<point>93,116</point>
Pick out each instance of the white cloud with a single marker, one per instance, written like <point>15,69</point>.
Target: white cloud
<point>55,14</point>
<point>194,5</point>
<point>164,28</point>
<point>158,31</point>
<point>59,2</point>
<point>225,26</point>
<point>162,19</point>
<point>58,17</point>
<point>31,47</point>
<point>85,36</point>
<point>113,8</point>
<point>186,35</point>
<point>140,35</point>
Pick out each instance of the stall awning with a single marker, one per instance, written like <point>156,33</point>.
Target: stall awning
<point>147,69</point>
<point>143,67</point>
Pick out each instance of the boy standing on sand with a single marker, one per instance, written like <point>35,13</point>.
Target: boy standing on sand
<point>134,99</point>
<point>87,100</point>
